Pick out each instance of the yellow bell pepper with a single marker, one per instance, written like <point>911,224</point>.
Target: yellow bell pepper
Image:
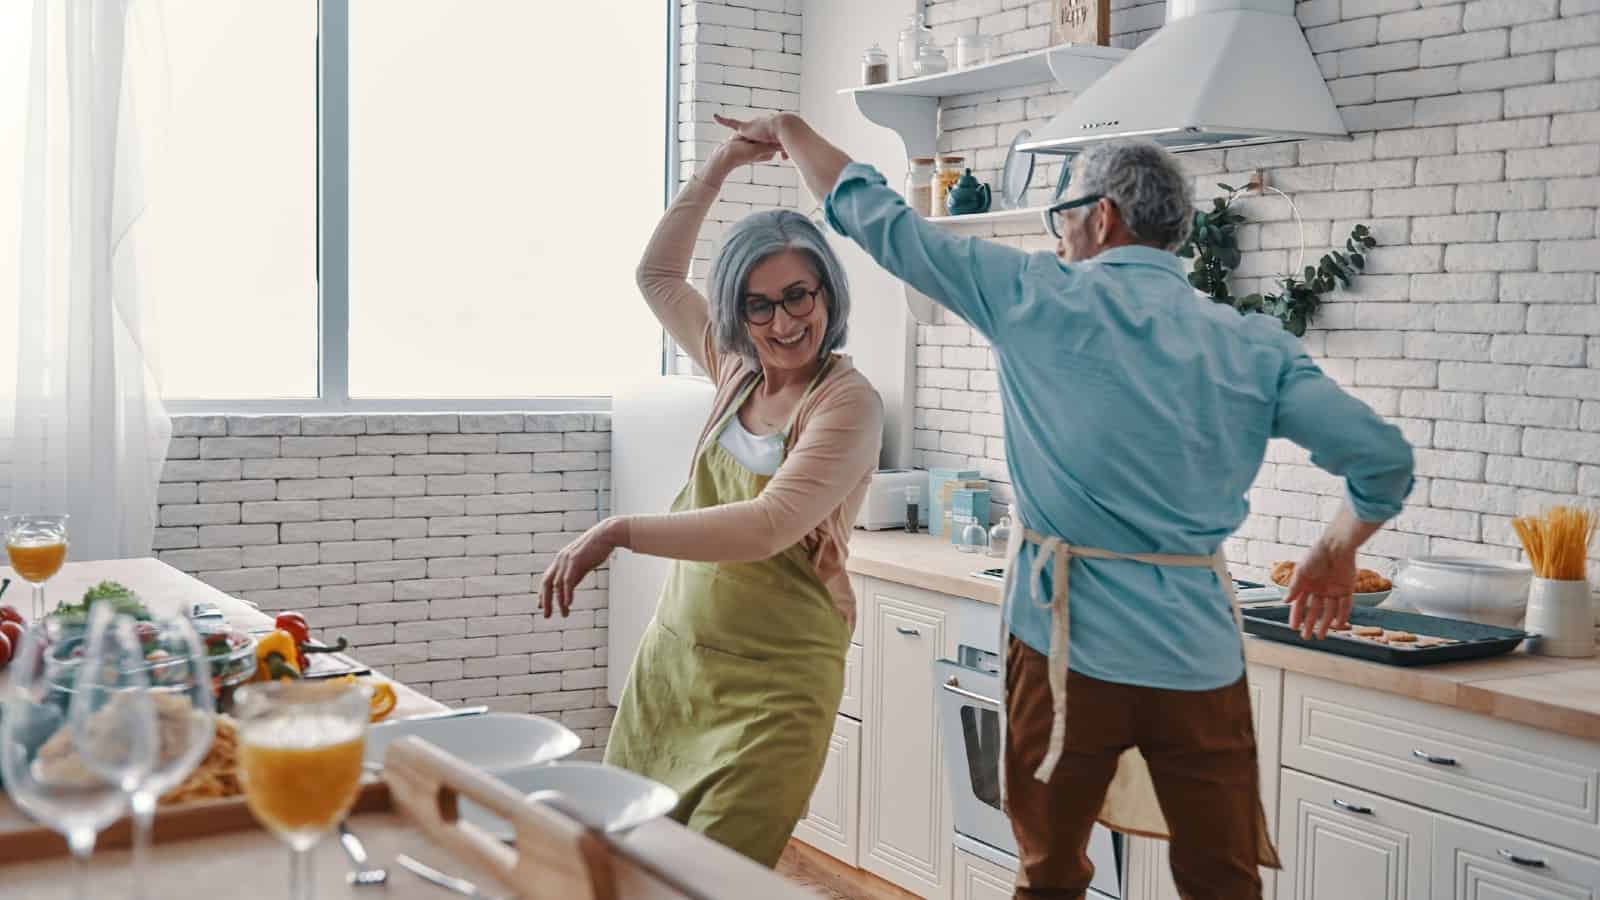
<point>275,657</point>
<point>383,698</point>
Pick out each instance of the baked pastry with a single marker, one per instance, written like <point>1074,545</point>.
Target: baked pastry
<point>1399,637</point>
<point>1283,573</point>
<point>1370,582</point>
<point>1366,631</point>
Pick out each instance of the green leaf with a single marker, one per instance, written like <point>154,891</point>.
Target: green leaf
<point>1310,273</point>
<point>1219,203</point>
<point>1350,245</point>
<point>1186,251</point>
<point>1231,257</point>
<point>1198,279</point>
<point>1360,230</point>
<point>1227,187</point>
<point>1221,293</point>
<point>1369,242</point>
<point>1358,260</point>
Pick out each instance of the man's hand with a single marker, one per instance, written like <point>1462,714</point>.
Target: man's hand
<point>763,130</point>
<point>731,154</point>
<point>1320,591</point>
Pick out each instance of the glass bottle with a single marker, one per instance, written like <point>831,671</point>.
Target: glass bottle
<point>949,172</point>
<point>1000,535</point>
<point>874,66</point>
<point>913,508</point>
<point>912,36</point>
<point>974,538</point>
<point>931,60</point>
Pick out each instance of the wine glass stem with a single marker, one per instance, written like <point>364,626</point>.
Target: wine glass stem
<point>81,842</point>
<point>144,814</point>
<point>38,601</point>
<point>301,884</point>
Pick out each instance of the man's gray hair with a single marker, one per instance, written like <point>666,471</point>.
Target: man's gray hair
<point>752,240</point>
<point>1152,195</point>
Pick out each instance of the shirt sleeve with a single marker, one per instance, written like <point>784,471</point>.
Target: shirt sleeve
<point>1346,438</point>
<point>836,449</point>
<point>663,275</point>
<point>977,280</point>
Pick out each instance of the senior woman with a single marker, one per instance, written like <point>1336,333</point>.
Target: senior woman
<point>732,697</point>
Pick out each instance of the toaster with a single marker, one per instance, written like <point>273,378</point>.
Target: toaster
<point>885,503</point>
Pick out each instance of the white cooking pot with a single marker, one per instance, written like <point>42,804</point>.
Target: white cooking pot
<point>1487,591</point>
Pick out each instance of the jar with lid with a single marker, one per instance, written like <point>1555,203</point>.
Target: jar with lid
<point>913,35</point>
<point>874,66</point>
<point>949,172</point>
<point>931,60</point>
<point>973,50</point>
<point>919,185</point>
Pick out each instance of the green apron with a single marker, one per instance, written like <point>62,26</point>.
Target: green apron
<point>732,696</point>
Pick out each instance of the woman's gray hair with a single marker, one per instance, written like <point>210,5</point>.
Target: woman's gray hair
<point>1153,196</point>
<point>752,240</point>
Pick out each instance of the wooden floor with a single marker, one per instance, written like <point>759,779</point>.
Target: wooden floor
<point>832,879</point>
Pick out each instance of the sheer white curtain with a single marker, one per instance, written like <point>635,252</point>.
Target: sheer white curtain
<point>90,432</point>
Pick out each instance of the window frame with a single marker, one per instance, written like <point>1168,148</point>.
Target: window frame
<point>333,260</point>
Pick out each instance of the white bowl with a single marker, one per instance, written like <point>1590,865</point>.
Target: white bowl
<point>602,797</point>
<point>1487,591</point>
<point>1370,599</point>
<point>492,741</point>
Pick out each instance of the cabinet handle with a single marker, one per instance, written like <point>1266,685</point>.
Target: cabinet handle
<point>1351,807</point>
<point>953,687</point>
<point>908,631</point>
<point>1436,760</point>
<point>1527,861</point>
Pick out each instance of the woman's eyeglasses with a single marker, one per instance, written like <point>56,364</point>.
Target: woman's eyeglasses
<point>796,301</point>
<point>1053,215</point>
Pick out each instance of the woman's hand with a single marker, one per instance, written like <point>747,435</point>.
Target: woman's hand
<point>763,130</point>
<point>576,561</point>
<point>732,154</point>
<point>1320,591</point>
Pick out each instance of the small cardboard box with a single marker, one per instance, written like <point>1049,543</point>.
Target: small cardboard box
<point>938,509</point>
<point>968,505</point>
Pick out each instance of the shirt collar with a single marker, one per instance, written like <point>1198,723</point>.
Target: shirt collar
<point>1140,255</point>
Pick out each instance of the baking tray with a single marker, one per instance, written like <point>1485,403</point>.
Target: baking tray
<point>1474,641</point>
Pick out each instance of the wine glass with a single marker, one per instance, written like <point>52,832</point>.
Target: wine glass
<point>44,772</point>
<point>171,661</point>
<point>37,546</point>
<point>300,750</point>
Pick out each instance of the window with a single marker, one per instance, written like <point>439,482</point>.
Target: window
<point>476,179</point>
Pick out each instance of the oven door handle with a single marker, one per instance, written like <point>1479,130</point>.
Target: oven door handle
<point>954,687</point>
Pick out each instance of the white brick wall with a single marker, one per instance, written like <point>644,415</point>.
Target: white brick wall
<point>421,538</point>
<point>1477,329</point>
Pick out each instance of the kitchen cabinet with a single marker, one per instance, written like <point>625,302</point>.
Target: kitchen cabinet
<point>1471,862</point>
<point>905,829</point>
<point>1149,867</point>
<point>1340,843</point>
<point>830,823</point>
<point>977,878</point>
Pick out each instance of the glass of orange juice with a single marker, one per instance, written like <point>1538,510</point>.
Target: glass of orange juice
<point>37,546</point>
<point>300,751</point>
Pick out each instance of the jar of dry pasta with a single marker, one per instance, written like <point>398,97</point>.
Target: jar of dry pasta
<point>945,178</point>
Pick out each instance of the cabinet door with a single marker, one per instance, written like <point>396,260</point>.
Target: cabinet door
<point>850,702</point>
<point>1471,862</point>
<point>978,879</point>
<point>1149,870</point>
<point>831,819</point>
<point>1338,843</point>
<point>905,833</point>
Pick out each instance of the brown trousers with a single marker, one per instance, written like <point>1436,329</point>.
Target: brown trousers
<point>1201,749</point>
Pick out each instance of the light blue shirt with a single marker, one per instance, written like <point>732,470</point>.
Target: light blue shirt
<point>1137,413</point>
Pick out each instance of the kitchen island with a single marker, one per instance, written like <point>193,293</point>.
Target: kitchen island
<point>1469,779</point>
<point>669,862</point>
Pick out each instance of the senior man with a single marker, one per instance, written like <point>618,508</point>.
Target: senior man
<point>1137,415</point>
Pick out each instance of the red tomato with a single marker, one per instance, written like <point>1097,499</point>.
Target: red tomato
<point>5,650</point>
<point>13,631</point>
<point>10,614</point>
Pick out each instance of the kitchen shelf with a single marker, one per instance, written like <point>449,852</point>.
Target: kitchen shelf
<point>996,215</point>
<point>1072,66</point>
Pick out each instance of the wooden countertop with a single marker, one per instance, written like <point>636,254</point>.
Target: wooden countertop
<point>1560,695</point>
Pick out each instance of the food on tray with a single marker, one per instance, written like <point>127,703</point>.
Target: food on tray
<point>59,760</point>
<point>1366,631</point>
<point>1557,542</point>
<point>217,775</point>
<point>122,599</point>
<point>1399,637</point>
<point>1367,581</point>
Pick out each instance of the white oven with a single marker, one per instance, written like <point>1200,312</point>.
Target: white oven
<point>969,714</point>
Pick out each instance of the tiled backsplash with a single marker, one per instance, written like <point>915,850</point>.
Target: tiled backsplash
<point>1476,161</point>
<point>421,538</point>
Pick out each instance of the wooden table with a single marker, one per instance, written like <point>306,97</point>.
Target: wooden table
<point>251,863</point>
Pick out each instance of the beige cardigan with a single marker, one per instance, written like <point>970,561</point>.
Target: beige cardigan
<point>838,431</point>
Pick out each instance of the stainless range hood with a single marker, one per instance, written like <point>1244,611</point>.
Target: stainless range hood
<point>1219,74</point>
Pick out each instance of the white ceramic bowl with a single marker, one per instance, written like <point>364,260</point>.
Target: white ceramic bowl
<point>603,797</point>
<point>1487,591</point>
<point>493,741</point>
<point>1371,599</point>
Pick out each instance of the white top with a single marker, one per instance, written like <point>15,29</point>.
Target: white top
<point>760,453</point>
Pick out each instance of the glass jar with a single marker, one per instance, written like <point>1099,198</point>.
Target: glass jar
<point>1000,535</point>
<point>944,179</point>
<point>913,35</point>
<point>973,50</point>
<point>931,60</point>
<point>919,185</point>
<point>874,66</point>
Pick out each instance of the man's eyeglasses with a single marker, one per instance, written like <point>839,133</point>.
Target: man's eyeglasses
<point>1053,215</point>
<point>796,301</point>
